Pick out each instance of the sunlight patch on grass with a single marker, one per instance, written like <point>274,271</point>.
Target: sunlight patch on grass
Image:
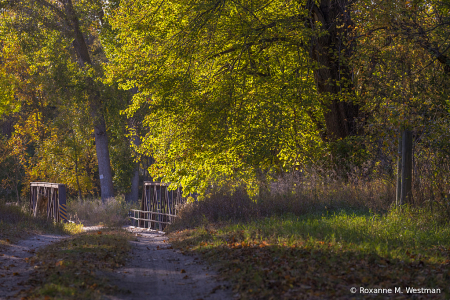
<point>323,255</point>
<point>73,228</point>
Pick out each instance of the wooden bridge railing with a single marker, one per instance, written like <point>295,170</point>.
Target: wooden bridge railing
<point>142,218</point>
<point>158,206</point>
<point>51,195</point>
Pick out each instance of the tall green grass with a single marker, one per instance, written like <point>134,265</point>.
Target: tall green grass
<point>324,254</point>
<point>390,235</point>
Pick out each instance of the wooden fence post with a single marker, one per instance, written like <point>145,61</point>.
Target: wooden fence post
<point>141,215</point>
<point>406,177</point>
<point>399,171</point>
<point>62,203</point>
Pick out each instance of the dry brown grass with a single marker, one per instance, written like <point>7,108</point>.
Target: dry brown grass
<point>239,207</point>
<point>319,219</point>
<point>371,187</point>
<point>112,213</point>
<point>296,194</point>
<point>17,222</point>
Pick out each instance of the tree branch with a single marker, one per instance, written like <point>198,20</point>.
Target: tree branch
<point>54,8</point>
<point>246,45</point>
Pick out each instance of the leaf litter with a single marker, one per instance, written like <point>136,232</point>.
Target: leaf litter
<point>274,268</point>
<point>68,269</point>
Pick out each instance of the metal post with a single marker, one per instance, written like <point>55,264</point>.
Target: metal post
<point>158,206</point>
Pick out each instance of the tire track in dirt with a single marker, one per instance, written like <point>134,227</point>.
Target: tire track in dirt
<point>156,271</point>
<point>14,269</point>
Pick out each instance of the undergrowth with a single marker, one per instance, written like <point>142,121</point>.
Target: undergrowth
<point>318,237</point>
<point>324,255</point>
<point>111,213</point>
<point>16,222</point>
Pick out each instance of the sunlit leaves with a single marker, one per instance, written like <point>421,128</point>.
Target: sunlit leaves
<point>228,85</point>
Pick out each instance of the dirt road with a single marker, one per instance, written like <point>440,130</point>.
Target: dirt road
<point>156,271</point>
<point>14,270</point>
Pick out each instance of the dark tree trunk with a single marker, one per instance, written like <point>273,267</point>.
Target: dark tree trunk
<point>78,180</point>
<point>406,184</point>
<point>7,126</point>
<point>334,76</point>
<point>16,182</point>
<point>133,195</point>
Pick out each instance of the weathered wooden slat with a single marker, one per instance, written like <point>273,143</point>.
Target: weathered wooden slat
<point>151,212</point>
<point>54,192</point>
<point>157,199</point>
<point>45,184</point>
<point>149,220</point>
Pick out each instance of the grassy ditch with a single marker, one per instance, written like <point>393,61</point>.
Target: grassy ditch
<point>325,255</point>
<point>16,222</point>
<point>74,268</point>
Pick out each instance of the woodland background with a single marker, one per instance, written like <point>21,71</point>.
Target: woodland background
<point>211,94</point>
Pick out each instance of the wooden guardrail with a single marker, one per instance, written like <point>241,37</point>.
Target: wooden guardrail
<point>49,199</point>
<point>139,216</point>
<point>158,206</point>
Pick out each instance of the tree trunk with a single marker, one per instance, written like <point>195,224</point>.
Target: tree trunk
<point>101,139</point>
<point>334,76</point>
<point>16,183</point>
<point>133,195</point>
<point>104,165</point>
<point>399,172</point>
<point>78,180</point>
<point>7,126</point>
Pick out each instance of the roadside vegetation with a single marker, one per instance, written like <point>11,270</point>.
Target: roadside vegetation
<point>112,212</point>
<point>76,267</point>
<point>287,246</point>
<point>16,222</point>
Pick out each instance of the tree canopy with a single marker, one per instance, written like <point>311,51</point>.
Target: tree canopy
<point>225,91</point>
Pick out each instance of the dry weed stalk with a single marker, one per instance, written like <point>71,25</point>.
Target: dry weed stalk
<point>112,213</point>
